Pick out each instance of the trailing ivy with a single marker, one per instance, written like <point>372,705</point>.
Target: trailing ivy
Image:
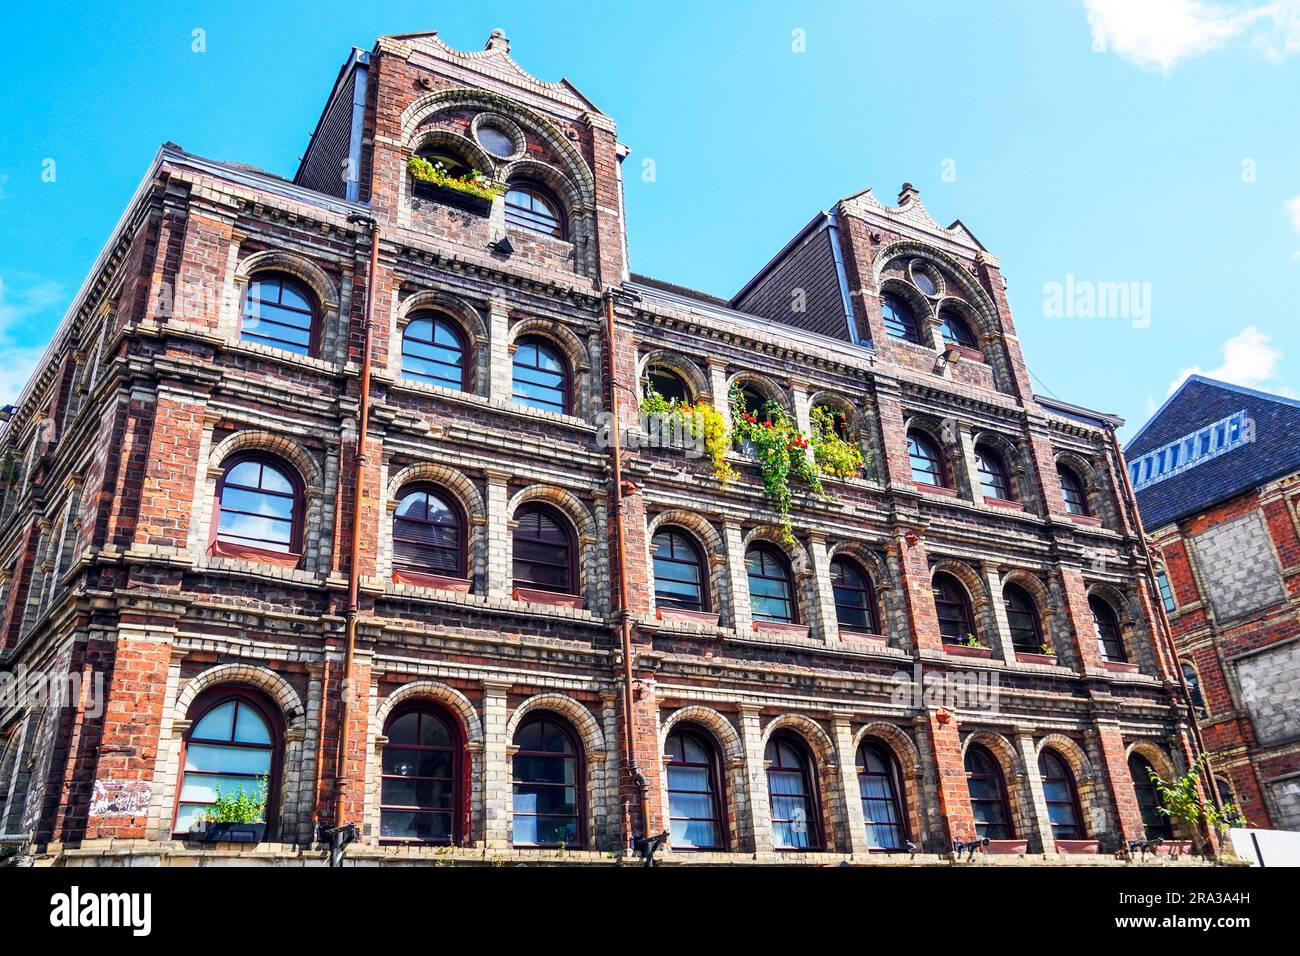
<point>781,452</point>
<point>475,184</point>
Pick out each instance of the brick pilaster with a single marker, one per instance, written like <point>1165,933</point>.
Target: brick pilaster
<point>950,778</point>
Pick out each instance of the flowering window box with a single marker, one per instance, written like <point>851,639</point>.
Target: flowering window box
<point>436,192</point>
<point>423,580</point>
<point>533,596</point>
<point>1007,847</point>
<point>1004,503</point>
<point>961,650</point>
<point>1077,846</point>
<point>1026,657</point>
<point>1121,667</point>
<point>781,627</point>
<point>678,615</point>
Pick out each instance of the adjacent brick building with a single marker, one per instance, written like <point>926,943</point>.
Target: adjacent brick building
<point>958,642</point>
<point>1217,478</point>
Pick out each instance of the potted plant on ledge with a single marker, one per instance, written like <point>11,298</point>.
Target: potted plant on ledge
<point>235,818</point>
<point>473,193</point>
<point>972,646</point>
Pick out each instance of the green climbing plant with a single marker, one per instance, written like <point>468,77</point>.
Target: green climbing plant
<point>781,452</point>
<point>1180,800</point>
<point>833,454</point>
<point>700,420</point>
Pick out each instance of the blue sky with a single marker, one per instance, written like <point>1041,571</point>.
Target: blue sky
<point>1083,141</point>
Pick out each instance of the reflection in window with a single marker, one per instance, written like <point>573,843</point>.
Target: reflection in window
<point>278,312</point>
<point>418,790</point>
<point>695,818</point>
<point>228,750</point>
<point>546,785</point>
<point>258,506</point>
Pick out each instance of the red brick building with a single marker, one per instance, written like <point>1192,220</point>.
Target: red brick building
<point>1217,474</point>
<point>315,482</point>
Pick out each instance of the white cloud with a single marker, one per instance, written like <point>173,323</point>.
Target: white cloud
<point>21,309</point>
<point>1156,34</point>
<point>1248,360</point>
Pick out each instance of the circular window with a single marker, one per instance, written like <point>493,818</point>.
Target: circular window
<point>495,140</point>
<point>925,278</point>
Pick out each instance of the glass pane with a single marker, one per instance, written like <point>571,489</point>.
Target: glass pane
<point>203,788</point>
<point>216,724</point>
<point>250,728</point>
<point>214,759</point>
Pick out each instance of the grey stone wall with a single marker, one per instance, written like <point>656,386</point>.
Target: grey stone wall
<point>1270,687</point>
<point>1239,567</point>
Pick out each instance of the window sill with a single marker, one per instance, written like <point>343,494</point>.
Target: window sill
<point>552,598</point>
<point>1007,847</point>
<point>677,615</point>
<point>1004,503</point>
<point>1025,657</point>
<point>424,580</point>
<point>781,627</point>
<point>1077,846</point>
<point>1121,667</point>
<point>1088,521</point>
<point>961,650</point>
<point>935,489</point>
<point>243,552</point>
<point>850,636</point>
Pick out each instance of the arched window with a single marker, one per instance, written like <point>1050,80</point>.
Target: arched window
<point>881,786</point>
<point>544,551</point>
<point>694,792</point>
<point>988,794</point>
<point>855,598</point>
<point>547,784</point>
<point>279,312</point>
<point>10,812</point>
<point>1110,641</point>
<point>1023,619</point>
<point>260,505</point>
<point>423,776</point>
<point>1154,822</point>
<point>952,605</point>
<point>993,473</point>
<point>1224,790</point>
<point>793,794</point>
<point>926,459</point>
<point>668,385</point>
<point>955,331</point>
<point>1076,499</point>
<point>1193,681</point>
<point>1061,796</point>
<point>900,323</point>
<point>541,377</point>
<point>755,402</point>
<point>452,163</point>
<point>679,569</point>
<point>232,747</point>
<point>428,532</point>
<point>771,588</point>
<point>433,351</point>
<point>531,208</point>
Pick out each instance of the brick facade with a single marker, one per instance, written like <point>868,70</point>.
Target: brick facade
<point>109,565</point>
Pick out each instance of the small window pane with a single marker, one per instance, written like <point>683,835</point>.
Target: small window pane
<point>926,459</point>
<point>900,323</point>
<point>278,313</point>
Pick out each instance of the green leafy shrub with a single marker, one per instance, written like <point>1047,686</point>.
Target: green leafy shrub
<point>1181,801</point>
<point>242,806</point>
<point>833,455</point>
<point>475,184</point>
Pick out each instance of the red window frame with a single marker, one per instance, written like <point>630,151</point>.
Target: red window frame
<point>551,222</point>
<point>773,757</point>
<point>579,775</point>
<point>1024,621</point>
<point>571,544</point>
<point>297,514</point>
<point>716,784</point>
<point>900,321</point>
<point>982,766</point>
<point>1072,490</point>
<point>897,792</point>
<point>458,526</point>
<point>1154,823</point>
<point>1110,636</point>
<point>210,700</point>
<point>564,388</point>
<point>677,556</point>
<point>953,610</point>
<point>460,771</point>
<point>312,312</point>
<point>1053,768</point>
<point>994,479</point>
<point>865,593</point>
<point>437,320</point>
<point>921,447</point>
<point>769,555</point>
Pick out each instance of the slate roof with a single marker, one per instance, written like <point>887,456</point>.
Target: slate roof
<point>1201,401</point>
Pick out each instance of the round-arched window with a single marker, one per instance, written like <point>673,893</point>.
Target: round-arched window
<point>1061,796</point>
<point>420,791</point>
<point>900,322</point>
<point>540,377</point>
<point>433,351</point>
<point>231,748</point>
<point>679,570</point>
<point>880,786</point>
<point>771,587</point>
<point>259,504</point>
<point>953,607</point>
<point>792,793</point>
<point>1023,620</point>
<point>926,459</point>
<point>988,794</point>
<point>694,792</point>
<point>855,598</point>
<point>547,784</point>
<point>533,209</point>
<point>279,312</point>
<point>543,551</point>
<point>428,532</point>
